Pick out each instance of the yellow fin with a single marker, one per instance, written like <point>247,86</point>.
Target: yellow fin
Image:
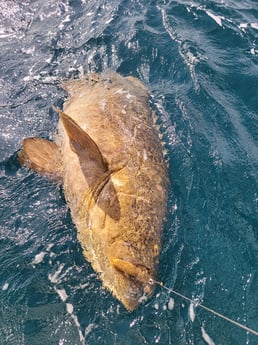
<point>92,162</point>
<point>41,155</point>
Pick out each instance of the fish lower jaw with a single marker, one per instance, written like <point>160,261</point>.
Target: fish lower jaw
<point>131,303</point>
<point>129,291</point>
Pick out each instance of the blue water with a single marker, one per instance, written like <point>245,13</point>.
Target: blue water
<point>200,62</point>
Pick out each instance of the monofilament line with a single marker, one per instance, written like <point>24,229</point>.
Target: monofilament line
<point>250,330</point>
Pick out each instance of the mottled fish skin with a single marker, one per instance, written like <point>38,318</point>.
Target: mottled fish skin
<point>115,180</point>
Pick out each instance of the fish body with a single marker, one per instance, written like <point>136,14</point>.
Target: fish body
<point>110,159</point>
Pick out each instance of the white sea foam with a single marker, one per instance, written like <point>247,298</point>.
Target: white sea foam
<point>189,58</point>
<point>207,338</point>
<point>217,19</point>
<point>39,258</point>
<point>243,25</point>
<point>191,312</point>
<point>174,208</point>
<point>62,294</point>
<point>69,308</point>
<point>254,25</point>
<point>171,304</point>
<point>28,50</point>
<point>3,33</point>
<point>54,278</point>
<point>156,306</point>
<point>90,328</point>
<point>50,246</point>
<point>133,323</point>
<point>5,286</point>
<point>67,19</point>
<point>109,20</point>
<point>46,79</point>
<point>166,25</point>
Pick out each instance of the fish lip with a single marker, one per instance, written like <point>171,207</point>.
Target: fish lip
<point>134,292</point>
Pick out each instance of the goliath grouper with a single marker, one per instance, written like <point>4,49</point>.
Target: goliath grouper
<point>110,159</point>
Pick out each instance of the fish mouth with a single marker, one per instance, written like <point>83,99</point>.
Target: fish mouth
<point>131,278</point>
<point>135,283</point>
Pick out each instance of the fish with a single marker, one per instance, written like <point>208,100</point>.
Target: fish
<point>110,159</point>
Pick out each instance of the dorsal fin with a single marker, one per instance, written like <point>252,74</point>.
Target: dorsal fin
<point>92,162</point>
<point>41,155</point>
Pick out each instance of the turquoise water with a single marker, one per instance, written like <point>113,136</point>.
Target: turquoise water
<point>200,62</point>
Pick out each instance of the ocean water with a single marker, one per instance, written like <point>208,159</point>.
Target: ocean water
<point>200,61</point>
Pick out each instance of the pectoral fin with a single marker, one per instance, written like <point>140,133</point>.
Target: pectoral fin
<point>41,155</point>
<point>91,160</point>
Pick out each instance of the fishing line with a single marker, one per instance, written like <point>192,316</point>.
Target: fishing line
<point>250,330</point>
